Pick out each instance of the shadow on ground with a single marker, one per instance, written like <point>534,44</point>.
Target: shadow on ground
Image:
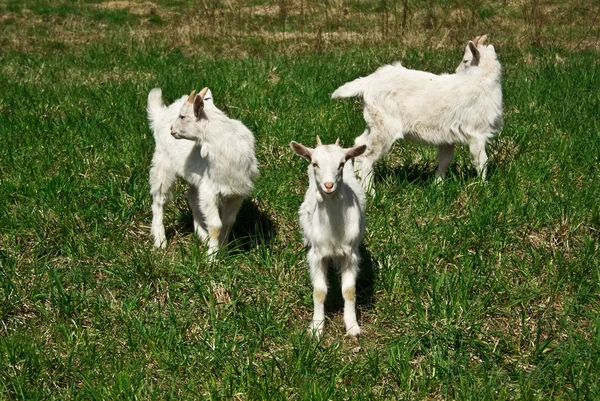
<point>423,174</point>
<point>253,228</point>
<point>365,283</point>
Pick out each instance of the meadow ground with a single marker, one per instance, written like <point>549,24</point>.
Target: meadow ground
<point>469,291</point>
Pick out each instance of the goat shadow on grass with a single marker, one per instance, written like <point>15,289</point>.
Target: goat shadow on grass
<point>423,174</point>
<point>252,227</point>
<point>420,174</point>
<point>365,284</point>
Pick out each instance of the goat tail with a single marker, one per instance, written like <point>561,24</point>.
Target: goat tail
<point>155,105</point>
<point>351,89</point>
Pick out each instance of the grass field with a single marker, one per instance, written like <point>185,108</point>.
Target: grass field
<point>468,291</point>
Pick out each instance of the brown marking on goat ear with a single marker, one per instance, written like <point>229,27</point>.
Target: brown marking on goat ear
<point>355,151</point>
<point>301,150</point>
<point>198,105</point>
<point>319,143</point>
<point>203,92</point>
<point>192,97</point>
<point>475,53</point>
<point>337,142</point>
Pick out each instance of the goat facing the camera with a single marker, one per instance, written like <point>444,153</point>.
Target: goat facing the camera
<point>332,219</point>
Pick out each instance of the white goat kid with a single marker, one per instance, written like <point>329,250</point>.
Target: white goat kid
<point>332,218</point>
<point>440,110</point>
<point>213,153</point>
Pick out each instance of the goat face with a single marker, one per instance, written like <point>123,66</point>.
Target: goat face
<point>184,127</point>
<point>327,163</point>
<point>328,167</point>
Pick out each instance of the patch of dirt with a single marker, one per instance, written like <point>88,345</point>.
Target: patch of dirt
<point>267,10</point>
<point>133,7</point>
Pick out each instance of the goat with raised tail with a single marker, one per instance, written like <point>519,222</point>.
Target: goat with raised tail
<point>440,110</point>
<point>332,218</point>
<point>212,152</point>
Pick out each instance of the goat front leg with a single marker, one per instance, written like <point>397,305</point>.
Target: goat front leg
<point>349,270</point>
<point>194,201</point>
<point>318,275</point>
<point>479,157</point>
<point>358,141</point>
<point>363,165</point>
<point>209,204</point>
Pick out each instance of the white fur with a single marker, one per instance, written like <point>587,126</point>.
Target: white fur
<point>213,153</point>
<point>440,110</point>
<point>332,218</point>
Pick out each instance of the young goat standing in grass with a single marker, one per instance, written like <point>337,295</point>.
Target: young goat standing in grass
<point>213,153</point>
<point>440,110</point>
<point>332,218</point>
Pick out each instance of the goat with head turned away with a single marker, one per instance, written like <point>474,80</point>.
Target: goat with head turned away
<point>212,152</point>
<point>440,110</point>
<point>332,219</point>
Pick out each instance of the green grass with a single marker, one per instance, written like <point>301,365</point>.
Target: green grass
<point>469,291</point>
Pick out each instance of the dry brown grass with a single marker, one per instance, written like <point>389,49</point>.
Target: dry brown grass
<point>233,28</point>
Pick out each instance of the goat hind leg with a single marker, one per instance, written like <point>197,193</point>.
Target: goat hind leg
<point>318,275</point>
<point>161,183</point>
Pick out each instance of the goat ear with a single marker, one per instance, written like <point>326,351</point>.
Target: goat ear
<point>475,52</point>
<point>355,151</point>
<point>302,150</point>
<point>198,105</point>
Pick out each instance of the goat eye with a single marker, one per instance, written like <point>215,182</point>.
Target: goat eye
<point>182,117</point>
<point>465,61</point>
<point>315,165</point>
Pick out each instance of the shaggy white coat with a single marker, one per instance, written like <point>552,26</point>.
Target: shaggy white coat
<point>332,219</point>
<point>212,152</point>
<point>440,110</point>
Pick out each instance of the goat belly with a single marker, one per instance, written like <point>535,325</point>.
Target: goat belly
<point>331,249</point>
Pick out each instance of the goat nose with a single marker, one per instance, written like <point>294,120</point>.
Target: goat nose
<point>328,185</point>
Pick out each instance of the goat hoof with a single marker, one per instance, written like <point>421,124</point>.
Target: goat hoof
<point>212,256</point>
<point>316,329</point>
<point>353,331</point>
<point>160,244</point>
